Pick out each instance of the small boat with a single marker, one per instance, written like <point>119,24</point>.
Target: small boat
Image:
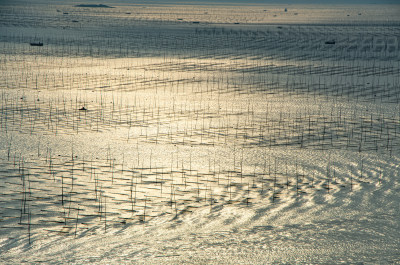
<point>330,42</point>
<point>36,43</point>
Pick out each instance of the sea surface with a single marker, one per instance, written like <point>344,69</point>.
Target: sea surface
<point>199,134</point>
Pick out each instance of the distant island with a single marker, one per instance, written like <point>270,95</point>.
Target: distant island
<point>89,5</point>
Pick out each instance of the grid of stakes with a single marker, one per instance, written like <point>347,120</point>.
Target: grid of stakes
<point>203,86</point>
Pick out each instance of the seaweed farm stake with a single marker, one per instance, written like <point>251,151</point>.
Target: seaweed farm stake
<point>77,219</point>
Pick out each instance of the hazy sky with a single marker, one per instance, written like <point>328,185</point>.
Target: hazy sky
<point>283,2</point>
<point>268,1</point>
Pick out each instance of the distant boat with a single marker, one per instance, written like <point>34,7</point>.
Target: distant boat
<point>330,42</point>
<point>36,43</point>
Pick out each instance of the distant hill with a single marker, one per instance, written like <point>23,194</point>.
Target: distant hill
<point>92,5</point>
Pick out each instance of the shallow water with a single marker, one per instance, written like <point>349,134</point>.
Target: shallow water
<point>148,138</point>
